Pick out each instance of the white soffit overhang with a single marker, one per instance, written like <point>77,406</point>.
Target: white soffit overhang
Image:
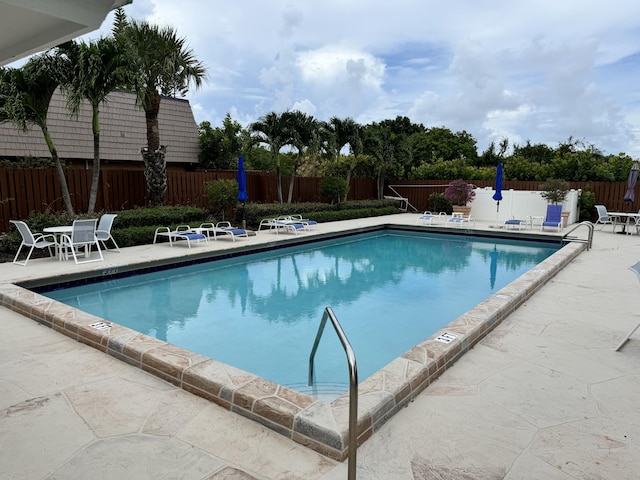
<point>31,26</point>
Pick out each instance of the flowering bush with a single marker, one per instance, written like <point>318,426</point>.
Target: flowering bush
<point>459,192</point>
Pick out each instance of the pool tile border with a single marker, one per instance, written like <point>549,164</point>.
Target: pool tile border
<point>304,419</point>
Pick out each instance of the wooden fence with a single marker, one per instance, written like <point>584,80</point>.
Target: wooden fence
<point>23,191</point>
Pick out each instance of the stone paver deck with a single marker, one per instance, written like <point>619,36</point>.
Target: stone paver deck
<point>543,395</point>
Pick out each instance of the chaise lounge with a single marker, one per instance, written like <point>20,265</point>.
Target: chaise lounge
<point>182,232</point>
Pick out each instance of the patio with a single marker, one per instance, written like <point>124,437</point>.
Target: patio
<point>543,396</point>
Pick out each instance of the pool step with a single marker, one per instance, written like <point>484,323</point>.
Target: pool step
<point>328,391</point>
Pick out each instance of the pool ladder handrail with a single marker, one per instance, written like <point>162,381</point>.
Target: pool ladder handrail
<point>589,240</point>
<point>353,384</point>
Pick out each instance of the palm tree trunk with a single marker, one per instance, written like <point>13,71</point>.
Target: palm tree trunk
<point>291,182</point>
<point>95,177</point>
<point>155,168</point>
<point>66,197</point>
<point>155,174</point>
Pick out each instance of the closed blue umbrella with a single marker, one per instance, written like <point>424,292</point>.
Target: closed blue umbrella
<point>241,177</point>
<point>498,195</point>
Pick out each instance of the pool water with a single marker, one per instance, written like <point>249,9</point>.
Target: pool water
<point>260,312</point>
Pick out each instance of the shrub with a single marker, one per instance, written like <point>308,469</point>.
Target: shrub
<point>437,203</point>
<point>459,192</point>
<point>334,188</point>
<point>222,195</point>
<point>554,190</point>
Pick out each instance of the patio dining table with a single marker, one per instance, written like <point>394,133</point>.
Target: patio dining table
<point>626,219</point>
<point>59,231</point>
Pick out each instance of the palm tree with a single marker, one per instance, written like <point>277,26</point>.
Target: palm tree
<point>92,71</point>
<point>275,130</point>
<point>342,132</point>
<point>25,95</point>
<point>304,129</point>
<point>161,64</point>
<point>356,143</point>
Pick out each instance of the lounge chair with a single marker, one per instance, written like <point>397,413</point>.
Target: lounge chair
<point>83,234</point>
<point>289,224</point>
<point>182,232</point>
<point>224,229</point>
<point>31,240</point>
<point>459,220</point>
<point>514,223</point>
<point>428,218</point>
<point>103,233</point>
<point>635,268</point>
<point>305,221</point>
<point>553,218</point>
<point>604,218</point>
<point>286,223</point>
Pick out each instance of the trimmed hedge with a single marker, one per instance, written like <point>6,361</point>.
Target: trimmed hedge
<point>138,226</point>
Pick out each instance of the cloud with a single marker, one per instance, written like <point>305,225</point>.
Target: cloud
<point>539,71</point>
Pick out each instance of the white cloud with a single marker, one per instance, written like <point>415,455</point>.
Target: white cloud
<point>532,70</point>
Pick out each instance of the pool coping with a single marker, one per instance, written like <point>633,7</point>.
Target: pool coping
<point>311,422</point>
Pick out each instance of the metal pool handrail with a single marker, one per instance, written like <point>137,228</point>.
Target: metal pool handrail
<point>589,239</point>
<point>353,385</point>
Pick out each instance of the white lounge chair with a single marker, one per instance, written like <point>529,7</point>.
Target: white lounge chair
<point>428,218</point>
<point>514,223</point>
<point>459,220</point>
<point>83,234</point>
<point>308,223</point>
<point>31,240</point>
<point>222,228</point>
<point>103,233</point>
<point>182,232</point>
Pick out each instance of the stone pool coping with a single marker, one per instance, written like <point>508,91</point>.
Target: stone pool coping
<point>314,423</point>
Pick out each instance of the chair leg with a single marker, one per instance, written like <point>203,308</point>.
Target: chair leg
<point>627,338</point>
<point>15,259</point>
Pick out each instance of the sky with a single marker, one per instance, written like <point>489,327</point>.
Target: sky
<point>542,71</point>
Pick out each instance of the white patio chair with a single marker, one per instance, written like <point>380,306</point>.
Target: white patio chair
<point>103,233</point>
<point>83,234</point>
<point>603,217</point>
<point>31,240</point>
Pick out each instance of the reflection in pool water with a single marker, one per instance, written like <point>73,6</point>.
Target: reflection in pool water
<point>260,312</point>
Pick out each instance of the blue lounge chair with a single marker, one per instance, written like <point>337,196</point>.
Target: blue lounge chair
<point>553,218</point>
<point>428,218</point>
<point>182,232</point>
<point>514,223</point>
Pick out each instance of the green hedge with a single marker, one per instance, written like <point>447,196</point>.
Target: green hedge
<point>137,226</point>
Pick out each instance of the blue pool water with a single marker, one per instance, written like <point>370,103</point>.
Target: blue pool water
<point>260,312</point>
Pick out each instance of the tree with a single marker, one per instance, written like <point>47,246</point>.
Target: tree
<point>275,130</point>
<point>91,71</point>
<point>386,148</point>
<point>25,95</point>
<point>304,129</point>
<point>356,143</point>
<point>220,147</point>
<point>160,64</point>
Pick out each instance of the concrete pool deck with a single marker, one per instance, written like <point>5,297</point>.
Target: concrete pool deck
<point>543,395</point>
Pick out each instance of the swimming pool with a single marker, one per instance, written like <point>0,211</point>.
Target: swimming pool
<point>260,312</point>
<point>314,423</point>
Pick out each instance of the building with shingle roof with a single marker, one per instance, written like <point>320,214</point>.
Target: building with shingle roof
<point>122,133</point>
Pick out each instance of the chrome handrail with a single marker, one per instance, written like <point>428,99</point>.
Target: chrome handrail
<point>353,384</point>
<point>589,240</point>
